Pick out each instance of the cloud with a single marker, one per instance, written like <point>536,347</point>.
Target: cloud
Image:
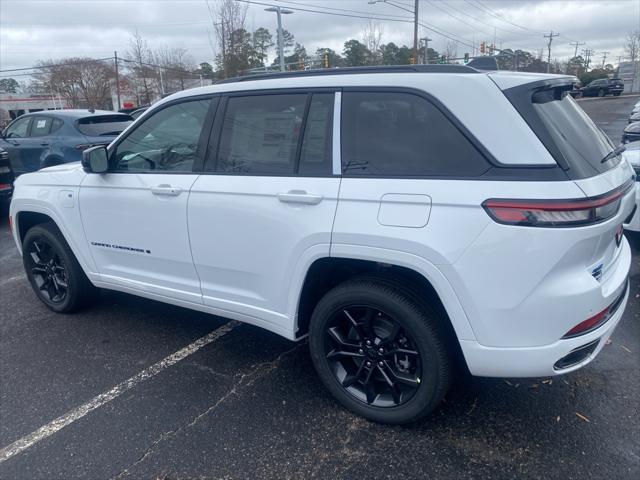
<point>35,30</point>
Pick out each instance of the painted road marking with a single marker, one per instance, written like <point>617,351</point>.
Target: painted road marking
<point>77,413</point>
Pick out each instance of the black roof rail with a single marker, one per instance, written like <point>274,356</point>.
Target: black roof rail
<point>354,70</point>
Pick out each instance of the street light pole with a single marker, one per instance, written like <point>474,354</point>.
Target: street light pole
<point>415,32</point>
<point>280,11</point>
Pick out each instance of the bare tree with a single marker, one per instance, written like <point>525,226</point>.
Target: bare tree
<point>451,49</point>
<point>176,64</point>
<point>372,38</point>
<point>143,74</point>
<point>632,46</point>
<point>228,16</point>
<point>82,81</point>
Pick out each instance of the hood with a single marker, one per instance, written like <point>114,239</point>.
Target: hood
<point>64,167</point>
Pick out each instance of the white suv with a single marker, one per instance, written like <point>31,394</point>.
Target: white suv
<point>407,219</point>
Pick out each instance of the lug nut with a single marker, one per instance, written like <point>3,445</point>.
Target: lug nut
<point>360,351</point>
<point>381,351</point>
<point>368,364</point>
<point>368,342</point>
<point>381,364</point>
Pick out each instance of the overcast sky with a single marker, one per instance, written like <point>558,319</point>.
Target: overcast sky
<point>32,30</point>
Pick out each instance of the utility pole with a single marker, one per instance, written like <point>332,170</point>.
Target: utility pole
<point>426,48</point>
<point>604,57</point>
<point>115,58</point>
<point>415,32</point>
<point>550,37</point>
<point>577,44</point>
<point>587,55</point>
<point>280,11</point>
<point>224,50</point>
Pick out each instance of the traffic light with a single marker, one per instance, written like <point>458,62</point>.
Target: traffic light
<point>325,60</point>
<point>482,47</point>
<point>466,57</point>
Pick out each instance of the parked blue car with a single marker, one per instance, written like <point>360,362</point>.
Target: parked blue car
<point>42,139</point>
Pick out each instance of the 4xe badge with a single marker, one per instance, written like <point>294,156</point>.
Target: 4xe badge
<point>619,234</point>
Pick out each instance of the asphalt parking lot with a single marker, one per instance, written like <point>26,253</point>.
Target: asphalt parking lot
<point>245,403</point>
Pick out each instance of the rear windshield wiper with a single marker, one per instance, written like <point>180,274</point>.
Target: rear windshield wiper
<point>613,153</point>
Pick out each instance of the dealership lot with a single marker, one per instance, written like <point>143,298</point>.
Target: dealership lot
<point>247,404</point>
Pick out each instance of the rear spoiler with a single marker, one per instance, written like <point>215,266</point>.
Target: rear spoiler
<point>484,63</point>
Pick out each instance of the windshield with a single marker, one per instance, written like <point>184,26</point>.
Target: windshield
<point>573,134</point>
<point>103,125</point>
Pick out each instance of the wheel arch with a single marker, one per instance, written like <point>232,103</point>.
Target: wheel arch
<point>28,216</point>
<point>326,272</point>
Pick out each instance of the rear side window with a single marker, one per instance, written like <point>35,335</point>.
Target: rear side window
<point>103,125</point>
<point>41,126</point>
<point>402,134</point>
<point>315,155</point>
<point>260,134</point>
<point>571,133</point>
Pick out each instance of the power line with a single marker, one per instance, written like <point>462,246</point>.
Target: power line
<point>55,65</point>
<point>488,10</point>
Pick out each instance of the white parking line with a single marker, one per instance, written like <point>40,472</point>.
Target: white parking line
<point>77,413</point>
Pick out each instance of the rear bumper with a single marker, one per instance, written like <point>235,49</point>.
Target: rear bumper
<point>540,361</point>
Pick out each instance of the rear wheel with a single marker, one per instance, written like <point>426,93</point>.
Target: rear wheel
<point>380,353</point>
<point>53,271</point>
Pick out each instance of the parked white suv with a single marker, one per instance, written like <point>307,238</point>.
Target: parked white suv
<point>407,219</point>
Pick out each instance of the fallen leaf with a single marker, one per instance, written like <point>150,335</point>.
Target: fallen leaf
<point>508,383</point>
<point>547,381</point>
<point>535,385</point>
<point>626,348</point>
<point>473,407</point>
<point>608,342</point>
<point>558,418</point>
<point>582,417</point>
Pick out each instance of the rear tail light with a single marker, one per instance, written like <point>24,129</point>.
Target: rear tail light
<point>557,213</point>
<point>597,320</point>
<point>5,186</point>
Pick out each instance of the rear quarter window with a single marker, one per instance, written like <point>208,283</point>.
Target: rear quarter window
<point>103,125</point>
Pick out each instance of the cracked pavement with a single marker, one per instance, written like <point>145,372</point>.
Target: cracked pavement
<point>249,405</point>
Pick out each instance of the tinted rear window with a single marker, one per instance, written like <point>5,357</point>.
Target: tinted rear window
<point>401,134</point>
<point>103,125</point>
<point>572,134</point>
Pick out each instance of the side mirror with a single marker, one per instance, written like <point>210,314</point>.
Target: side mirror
<point>95,159</point>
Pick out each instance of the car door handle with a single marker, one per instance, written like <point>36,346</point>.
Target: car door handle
<point>44,144</point>
<point>166,190</point>
<point>299,196</point>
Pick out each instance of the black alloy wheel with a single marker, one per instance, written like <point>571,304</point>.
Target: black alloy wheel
<point>372,356</point>
<point>53,270</point>
<point>47,270</point>
<point>381,350</point>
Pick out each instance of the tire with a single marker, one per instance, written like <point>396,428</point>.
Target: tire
<point>53,271</point>
<point>601,93</point>
<point>410,361</point>
<point>617,94</point>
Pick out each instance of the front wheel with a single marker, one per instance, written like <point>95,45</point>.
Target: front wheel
<point>379,352</point>
<point>53,271</point>
<point>601,93</point>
